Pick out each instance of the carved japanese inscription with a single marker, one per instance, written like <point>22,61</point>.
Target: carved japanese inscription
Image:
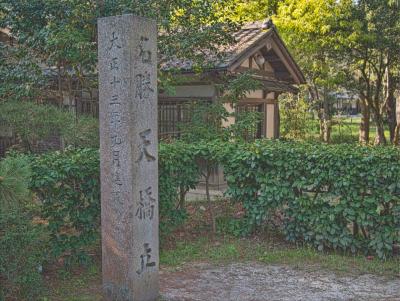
<point>146,204</point>
<point>129,157</point>
<point>144,143</point>
<point>146,262</point>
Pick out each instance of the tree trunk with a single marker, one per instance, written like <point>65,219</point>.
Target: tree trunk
<point>210,208</point>
<point>60,87</point>
<point>326,119</point>
<point>321,127</point>
<point>391,113</point>
<point>378,104</point>
<point>182,197</point>
<point>390,105</point>
<point>363,137</point>
<point>327,131</point>
<point>380,130</point>
<point>396,137</point>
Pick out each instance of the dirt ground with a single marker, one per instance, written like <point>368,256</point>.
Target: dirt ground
<point>198,267</point>
<point>258,282</point>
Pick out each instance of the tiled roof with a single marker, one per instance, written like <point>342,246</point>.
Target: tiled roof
<point>249,34</point>
<point>279,86</point>
<point>246,36</point>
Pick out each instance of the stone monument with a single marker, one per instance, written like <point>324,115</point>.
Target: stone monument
<point>129,158</point>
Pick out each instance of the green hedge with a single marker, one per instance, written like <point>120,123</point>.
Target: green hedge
<point>336,197</point>
<point>177,174</point>
<point>67,183</point>
<point>341,197</point>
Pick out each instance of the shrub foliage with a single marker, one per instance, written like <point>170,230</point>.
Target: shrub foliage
<point>22,242</point>
<point>341,197</point>
<point>68,186</point>
<point>33,123</point>
<point>333,197</point>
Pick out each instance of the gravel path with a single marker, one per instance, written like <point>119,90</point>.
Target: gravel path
<point>258,282</point>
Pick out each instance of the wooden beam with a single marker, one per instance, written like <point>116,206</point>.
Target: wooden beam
<point>281,50</point>
<point>256,71</point>
<point>276,121</point>
<point>257,100</point>
<point>282,73</point>
<point>273,59</point>
<point>174,98</point>
<point>260,43</point>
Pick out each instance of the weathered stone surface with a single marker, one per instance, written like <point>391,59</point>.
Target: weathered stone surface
<point>129,159</point>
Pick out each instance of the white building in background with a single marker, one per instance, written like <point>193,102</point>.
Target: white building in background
<point>346,103</point>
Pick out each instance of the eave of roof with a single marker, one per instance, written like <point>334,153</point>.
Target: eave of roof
<point>291,59</point>
<point>245,37</point>
<point>278,86</point>
<point>251,36</point>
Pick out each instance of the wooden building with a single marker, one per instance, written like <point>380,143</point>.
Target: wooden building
<point>259,49</point>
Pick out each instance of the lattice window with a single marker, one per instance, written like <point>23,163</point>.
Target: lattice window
<point>257,132</point>
<point>172,115</point>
